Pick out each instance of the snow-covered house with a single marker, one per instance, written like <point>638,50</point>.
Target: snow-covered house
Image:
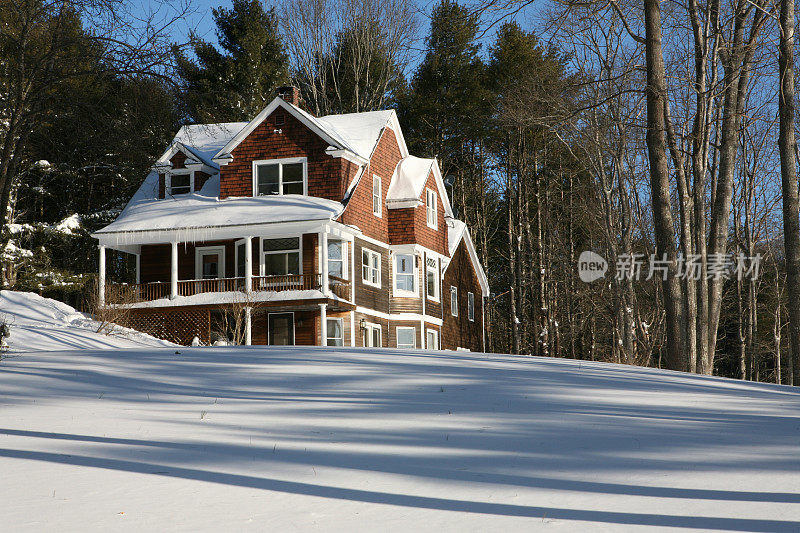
<point>324,228</point>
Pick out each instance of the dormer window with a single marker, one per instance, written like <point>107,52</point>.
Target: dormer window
<point>279,176</point>
<point>179,182</point>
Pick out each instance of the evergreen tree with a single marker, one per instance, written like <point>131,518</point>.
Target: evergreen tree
<point>236,83</point>
<point>446,104</point>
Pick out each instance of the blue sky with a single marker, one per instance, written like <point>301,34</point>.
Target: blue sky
<point>202,20</point>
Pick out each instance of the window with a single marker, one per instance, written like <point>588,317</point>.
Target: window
<point>371,267</point>
<point>430,208</point>
<point>281,256</point>
<point>406,337</point>
<point>372,335</point>
<point>376,195</point>
<point>432,279</point>
<point>404,274</point>
<point>337,266</point>
<point>280,329</point>
<point>240,258</point>
<point>285,176</point>
<point>432,339</point>
<point>454,300</point>
<point>335,332</point>
<point>179,183</point>
<point>209,262</point>
<point>471,306</point>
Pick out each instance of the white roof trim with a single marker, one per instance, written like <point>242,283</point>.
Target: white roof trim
<point>473,254</point>
<point>223,156</point>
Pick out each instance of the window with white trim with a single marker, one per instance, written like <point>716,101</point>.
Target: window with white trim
<point>371,267</point>
<point>453,300</point>
<point>376,195</point>
<point>406,337</point>
<point>337,266</point>
<point>179,182</point>
<point>432,279</point>
<point>404,275</point>
<point>471,306</point>
<point>432,339</point>
<point>335,332</point>
<point>430,208</point>
<point>280,176</point>
<point>209,262</point>
<point>372,335</point>
<point>281,256</point>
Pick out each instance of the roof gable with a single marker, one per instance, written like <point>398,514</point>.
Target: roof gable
<point>456,234</point>
<point>408,183</point>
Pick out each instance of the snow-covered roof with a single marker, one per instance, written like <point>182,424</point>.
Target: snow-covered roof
<point>205,140</point>
<point>361,131</point>
<point>203,209</point>
<point>408,181</point>
<point>457,232</point>
<point>356,133</point>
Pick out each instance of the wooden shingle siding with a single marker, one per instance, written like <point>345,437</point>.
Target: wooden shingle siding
<point>359,208</point>
<point>460,332</point>
<point>367,295</point>
<point>325,176</point>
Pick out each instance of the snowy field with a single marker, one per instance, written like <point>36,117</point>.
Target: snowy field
<point>299,439</point>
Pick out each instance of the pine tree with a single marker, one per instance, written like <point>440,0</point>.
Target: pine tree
<point>446,105</point>
<point>236,83</point>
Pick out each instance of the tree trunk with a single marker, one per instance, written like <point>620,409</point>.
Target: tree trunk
<point>791,203</point>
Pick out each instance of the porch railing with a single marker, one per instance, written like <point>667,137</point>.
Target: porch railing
<point>122,293</point>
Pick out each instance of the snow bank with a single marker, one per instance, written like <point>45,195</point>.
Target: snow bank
<point>314,439</point>
<point>43,324</point>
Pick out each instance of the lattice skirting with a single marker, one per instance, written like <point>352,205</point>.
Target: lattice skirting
<point>175,325</point>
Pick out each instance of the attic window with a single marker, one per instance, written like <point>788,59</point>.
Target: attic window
<point>280,118</point>
<point>179,183</point>
<point>279,176</point>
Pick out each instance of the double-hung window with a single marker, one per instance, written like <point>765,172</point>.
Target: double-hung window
<point>432,278</point>
<point>376,195</point>
<point>406,337</point>
<point>404,275</point>
<point>180,182</point>
<point>471,306</point>
<point>282,176</point>
<point>337,266</point>
<point>281,256</point>
<point>371,267</point>
<point>430,208</point>
<point>453,300</point>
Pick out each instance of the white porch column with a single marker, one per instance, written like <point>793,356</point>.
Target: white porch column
<point>139,267</point>
<point>353,329</point>
<point>323,244</point>
<point>101,278</point>
<point>323,316</point>
<point>173,272</point>
<point>351,245</point>
<point>248,326</point>
<point>248,265</point>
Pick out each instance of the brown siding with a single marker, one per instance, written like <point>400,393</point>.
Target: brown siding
<point>325,173</point>
<point>402,323</point>
<point>367,295</point>
<point>310,254</point>
<point>459,331</point>
<point>359,208</point>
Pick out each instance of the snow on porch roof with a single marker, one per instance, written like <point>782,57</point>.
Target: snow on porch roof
<point>195,214</point>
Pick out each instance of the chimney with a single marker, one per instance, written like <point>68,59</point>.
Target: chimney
<point>290,93</point>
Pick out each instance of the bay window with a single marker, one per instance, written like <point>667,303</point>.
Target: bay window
<point>432,279</point>
<point>404,274</point>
